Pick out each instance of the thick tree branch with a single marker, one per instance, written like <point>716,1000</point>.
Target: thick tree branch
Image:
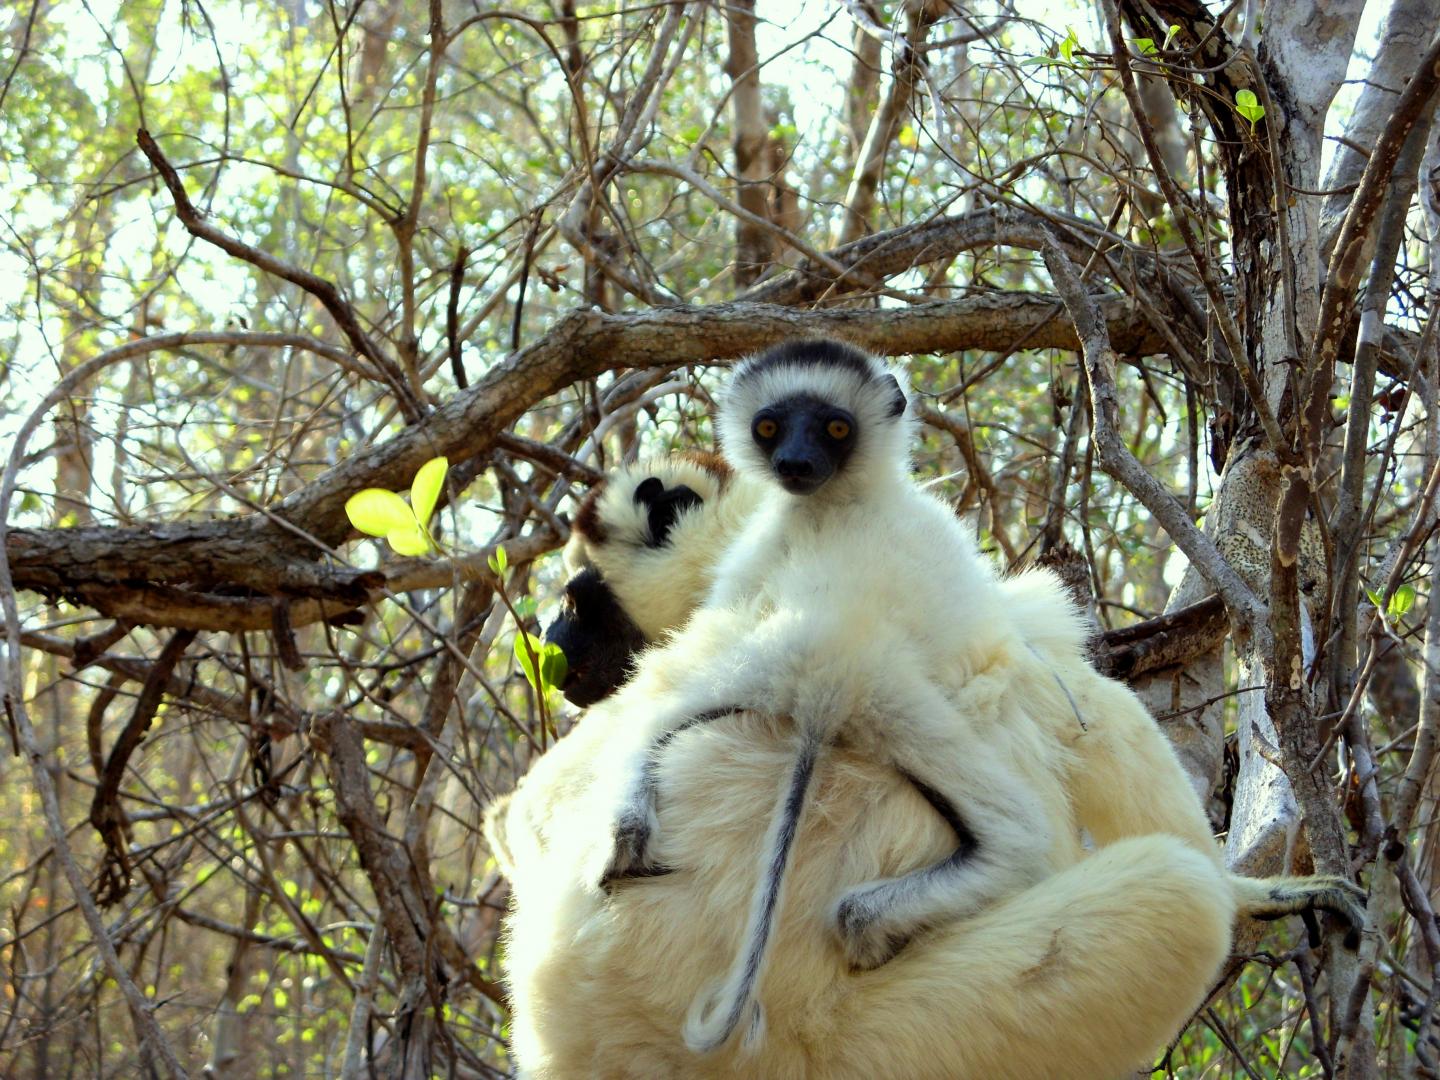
<point>147,573</point>
<point>168,605</point>
<point>1169,640</point>
<point>254,552</point>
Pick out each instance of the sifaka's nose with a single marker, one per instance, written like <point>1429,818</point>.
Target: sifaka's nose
<point>794,468</point>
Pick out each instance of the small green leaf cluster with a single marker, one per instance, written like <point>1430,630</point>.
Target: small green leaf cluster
<point>544,664</point>
<point>498,562</point>
<point>1400,603</point>
<point>1248,106</point>
<point>379,512</point>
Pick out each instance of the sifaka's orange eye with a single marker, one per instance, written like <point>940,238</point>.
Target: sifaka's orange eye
<point>838,429</point>
<point>766,429</point>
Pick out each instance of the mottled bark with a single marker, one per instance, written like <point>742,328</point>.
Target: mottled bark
<point>885,125</point>
<point>753,248</point>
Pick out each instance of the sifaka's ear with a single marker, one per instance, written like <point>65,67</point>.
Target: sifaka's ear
<point>897,396</point>
<point>663,506</point>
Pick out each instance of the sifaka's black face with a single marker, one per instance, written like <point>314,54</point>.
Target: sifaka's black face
<point>805,439</point>
<point>598,639</point>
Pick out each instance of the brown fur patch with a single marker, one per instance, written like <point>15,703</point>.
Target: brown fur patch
<point>712,463</point>
<point>587,520</point>
<point>1048,965</point>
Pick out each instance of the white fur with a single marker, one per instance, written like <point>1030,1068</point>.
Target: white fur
<point>657,587</point>
<point>1117,947</point>
<point>864,614</point>
<point>973,684</point>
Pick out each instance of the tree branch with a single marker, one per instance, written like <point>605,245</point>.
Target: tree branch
<point>322,290</point>
<point>1245,608</point>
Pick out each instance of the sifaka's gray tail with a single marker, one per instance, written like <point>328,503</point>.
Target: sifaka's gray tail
<point>715,1016</point>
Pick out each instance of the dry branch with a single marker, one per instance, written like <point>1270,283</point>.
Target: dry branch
<point>1246,610</point>
<point>323,291</point>
<point>106,814</point>
<point>882,255</point>
<point>118,567</point>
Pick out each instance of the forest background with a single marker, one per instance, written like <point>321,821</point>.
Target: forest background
<point>1164,276</point>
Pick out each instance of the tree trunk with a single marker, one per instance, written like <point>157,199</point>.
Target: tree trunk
<point>753,249</point>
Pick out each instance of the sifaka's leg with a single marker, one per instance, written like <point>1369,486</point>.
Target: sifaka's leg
<point>636,819</point>
<point>1005,831</point>
<point>1128,782</point>
<point>1003,838</point>
<point>1085,975</point>
<point>719,666</point>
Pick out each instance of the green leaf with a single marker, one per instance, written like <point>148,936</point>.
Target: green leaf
<point>426,487</point>
<point>1067,47</point>
<point>1402,601</point>
<point>1145,45</point>
<point>553,667</point>
<point>522,654</point>
<point>411,539</point>
<point>1248,106</point>
<point>498,562</point>
<point>1170,34</point>
<point>378,512</point>
<point>1374,597</point>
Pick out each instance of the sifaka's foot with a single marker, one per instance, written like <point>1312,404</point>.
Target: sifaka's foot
<point>1275,898</point>
<point>629,856</point>
<point>868,933</point>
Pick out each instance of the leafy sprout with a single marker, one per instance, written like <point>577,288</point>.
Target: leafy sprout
<point>544,663</point>
<point>1248,106</point>
<point>1066,48</point>
<point>499,562</point>
<point>1401,601</point>
<point>404,525</point>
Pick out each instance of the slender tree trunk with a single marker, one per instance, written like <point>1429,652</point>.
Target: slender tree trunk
<point>888,119</point>
<point>753,249</point>
<point>862,93</point>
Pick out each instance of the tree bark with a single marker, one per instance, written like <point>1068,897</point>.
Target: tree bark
<point>886,123</point>
<point>753,248</point>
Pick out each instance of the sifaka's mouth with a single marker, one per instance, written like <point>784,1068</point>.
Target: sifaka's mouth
<point>797,485</point>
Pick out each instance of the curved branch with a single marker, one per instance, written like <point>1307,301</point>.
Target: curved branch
<point>873,258</point>
<point>12,688</point>
<point>322,290</point>
<point>1245,608</point>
